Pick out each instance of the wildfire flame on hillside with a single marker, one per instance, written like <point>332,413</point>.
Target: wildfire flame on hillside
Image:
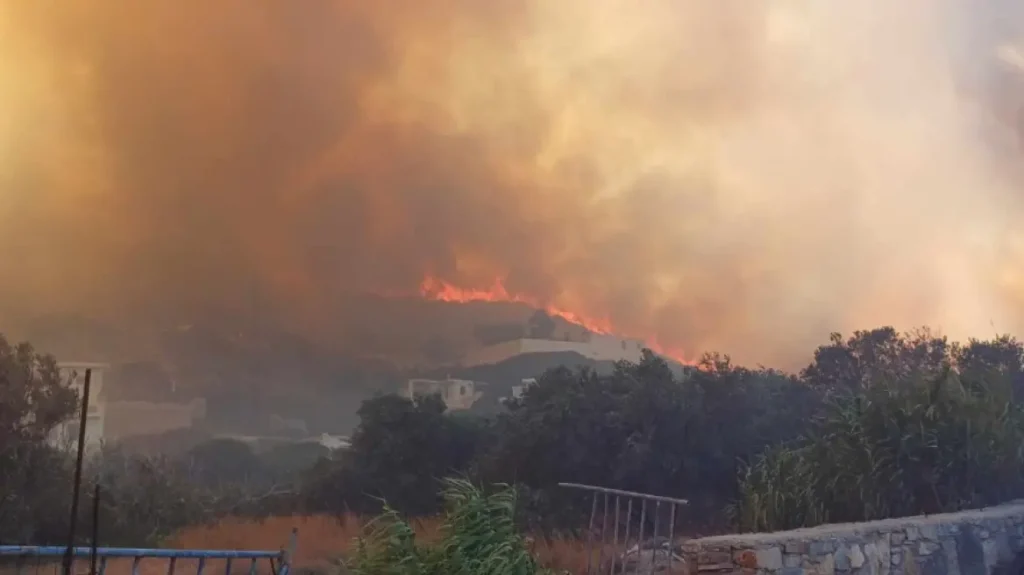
<point>436,289</point>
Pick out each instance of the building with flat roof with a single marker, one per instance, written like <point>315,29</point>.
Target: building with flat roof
<point>73,375</point>
<point>458,394</point>
<point>598,347</point>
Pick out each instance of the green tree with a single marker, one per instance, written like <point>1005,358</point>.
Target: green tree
<point>222,461</point>
<point>400,451</point>
<point>146,499</point>
<point>33,401</point>
<point>894,447</point>
<point>878,355</point>
<point>641,429</point>
<point>999,361</point>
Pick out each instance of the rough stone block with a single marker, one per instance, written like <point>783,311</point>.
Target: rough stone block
<point>898,537</point>
<point>706,557</point>
<point>799,546</point>
<point>952,560</point>
<point>913,533</point>
<point>792,560</point>
<point>716,567</point>
<point>746,558</point>
<point>877,558</point>
<point>897,557</point>
<point>842,557</point>
<point>934,565</point>
<point>970,553</point>
<point>1004,552</point>
<point>926,548</point>
<point>991,550</point>
<point>1016,543</point>
<point>769,558</point>
<point>791,571</point>
<point>821,548</point>
<point>825,567</point>
<point>856,557</point>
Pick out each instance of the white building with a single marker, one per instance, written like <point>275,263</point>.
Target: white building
<point>334,442</point>
<point>458,394</point>
<point>519,390</point>
<point>132,418</point>
<point>598,347</point>
<point>73,374</point>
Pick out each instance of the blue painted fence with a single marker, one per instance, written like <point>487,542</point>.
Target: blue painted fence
<point>25,557</point>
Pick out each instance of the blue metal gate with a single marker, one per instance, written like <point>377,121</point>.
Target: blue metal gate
<point>27,560</point>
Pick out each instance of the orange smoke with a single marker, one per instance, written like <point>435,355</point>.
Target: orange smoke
<point>705,175</point>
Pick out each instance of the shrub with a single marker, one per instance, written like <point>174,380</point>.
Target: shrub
<point>892,450</point>
<point>478,537</point>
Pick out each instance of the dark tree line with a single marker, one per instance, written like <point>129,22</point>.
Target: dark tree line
<point>878,424</point>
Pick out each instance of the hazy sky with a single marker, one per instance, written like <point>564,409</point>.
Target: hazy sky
<point>717,174</point>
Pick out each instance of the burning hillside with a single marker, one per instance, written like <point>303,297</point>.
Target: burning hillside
<point>439,290</point>
<point>706,175</point>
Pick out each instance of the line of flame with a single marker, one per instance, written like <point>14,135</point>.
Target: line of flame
<point>436,289</point>
<point>440,290</point>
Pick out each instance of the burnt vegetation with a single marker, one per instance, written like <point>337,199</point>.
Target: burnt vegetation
<point>879,424</point>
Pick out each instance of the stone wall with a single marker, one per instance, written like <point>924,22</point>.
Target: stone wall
<point>965,543</point>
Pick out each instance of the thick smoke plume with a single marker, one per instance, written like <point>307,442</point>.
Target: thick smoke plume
<point>713,174</point>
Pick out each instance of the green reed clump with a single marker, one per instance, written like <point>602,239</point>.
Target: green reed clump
<point>891,450</point>
<point>478,537</point>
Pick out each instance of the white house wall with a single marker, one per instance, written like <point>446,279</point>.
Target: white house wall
<point>599,348</point>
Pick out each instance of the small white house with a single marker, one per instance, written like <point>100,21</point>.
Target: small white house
<point>73,374</point>
<point>334,442</point>
<point>519,390</point>
<point>458,394</point>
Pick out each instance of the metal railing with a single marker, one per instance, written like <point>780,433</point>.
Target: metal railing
<point>27,560</point>
<point>649,553</point>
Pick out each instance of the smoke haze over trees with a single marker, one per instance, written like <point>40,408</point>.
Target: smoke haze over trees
<point>878,424</point>
<point>706,175</point>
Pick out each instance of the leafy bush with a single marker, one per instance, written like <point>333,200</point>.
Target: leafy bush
<point>894,449</point>
<point>478,537</point>
<point>145,499</point>
<point>400,451</point>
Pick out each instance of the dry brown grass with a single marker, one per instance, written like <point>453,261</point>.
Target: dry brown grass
<point>322,540</point>
<point>563,554</point>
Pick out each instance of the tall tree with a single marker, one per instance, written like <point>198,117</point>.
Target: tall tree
<point>877,356</point>
<point>33,399</point>
<point>400,452</point>
<point>999,361</point>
